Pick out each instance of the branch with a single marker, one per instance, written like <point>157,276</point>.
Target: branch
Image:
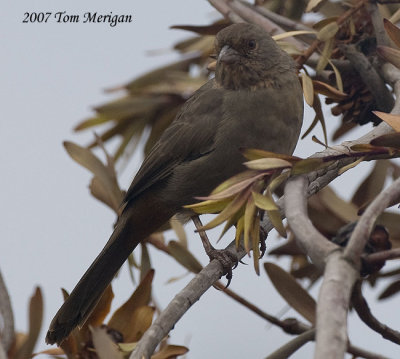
<point>313,182</point>
<point>380,257</point>
<point>364,226</point>
<point>362,308</point>
<point>289,348</point>
<point>340,272</point>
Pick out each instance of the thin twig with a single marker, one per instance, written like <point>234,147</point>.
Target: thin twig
<point>289,348</point>
<point>382,256</point>
<point>362,308</point>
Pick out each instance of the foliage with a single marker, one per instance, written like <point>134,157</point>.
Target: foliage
<point>328,53</point>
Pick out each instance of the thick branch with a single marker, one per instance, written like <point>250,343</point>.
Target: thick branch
<point>213,271</point>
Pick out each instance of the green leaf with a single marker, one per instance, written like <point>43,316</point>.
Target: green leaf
<point>265,202</point>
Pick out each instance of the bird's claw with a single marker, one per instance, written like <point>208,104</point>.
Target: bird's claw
<point>228,260</point>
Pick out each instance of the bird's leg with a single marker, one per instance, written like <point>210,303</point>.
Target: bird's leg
<point>227,259</point>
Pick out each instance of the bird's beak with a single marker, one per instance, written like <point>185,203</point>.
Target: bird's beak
<point>228,55</point>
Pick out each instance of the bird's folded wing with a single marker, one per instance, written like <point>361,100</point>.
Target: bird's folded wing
<point>190,136</point>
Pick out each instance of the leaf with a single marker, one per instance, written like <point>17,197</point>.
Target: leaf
<point>145,263</point>
<point>105,347</point>
<point>242,176</point>
<point>277,181</point>
<point>249,214</point>
<point>101,310</point>
<point>389,54</point>
<point>87,159</point>
<point>292,292</point>
<point>391,289</point>
<point>393,31</point>
<point>392,120</point>
<point>328,31</point>
<point>210,206</point>
<point>255,154</point>
<point>276,220</point>
<point>314,5</point>
<point>264,202</point>
<point>35,323</point>
<point>391,140</point>
<point>287,34</point>
<point>139,322</point>
<point>177,227</point>
<point>159,74</point>
<point>350,166</point>
<point>340,208</point>
<point>91,122</point>
<point>338,77</point>
<point>232,190</point>
<point>325,55</point>
<point>184,257</point>
<point>212,29</point>
<point>308,88</point>
<point>123,317</point>
<point>328,90</point>
<point>307,165</point>
<point>366,147</point>
<point>263,164</point>
<point>372,184</point>
<point>239,231</point>
<point>170,352</point>
<point>228,211</point>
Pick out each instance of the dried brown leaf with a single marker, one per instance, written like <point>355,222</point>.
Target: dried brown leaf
<point>389,54</point>
<point>308,89</point>
<point>390,290</point>
<point>328,90</point>
<point>314,5</point>
<point>184,257</point>
<point>123,316</point>
<point>170,352</point>
<point>393,31</point>
<point>294,294</point>
<point>35,323</point>
<point>372,184</point>
<point>392,120</point>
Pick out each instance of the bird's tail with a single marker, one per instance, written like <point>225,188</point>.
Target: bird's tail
<point>134,225</point>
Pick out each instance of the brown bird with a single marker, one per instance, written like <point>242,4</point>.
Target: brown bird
<point>254,101</point>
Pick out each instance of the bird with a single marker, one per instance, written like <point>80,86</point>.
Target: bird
<point>255,100</point>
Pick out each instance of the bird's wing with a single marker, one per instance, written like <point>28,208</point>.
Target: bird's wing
<point>190,136</point>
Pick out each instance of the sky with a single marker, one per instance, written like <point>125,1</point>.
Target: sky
<point>52,74</point>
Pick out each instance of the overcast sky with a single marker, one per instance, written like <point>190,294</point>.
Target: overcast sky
<point>51,228</point>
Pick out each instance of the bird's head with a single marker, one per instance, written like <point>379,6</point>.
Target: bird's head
<point>247,57</point>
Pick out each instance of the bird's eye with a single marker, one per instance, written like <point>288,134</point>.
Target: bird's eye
<point>252,44</point>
